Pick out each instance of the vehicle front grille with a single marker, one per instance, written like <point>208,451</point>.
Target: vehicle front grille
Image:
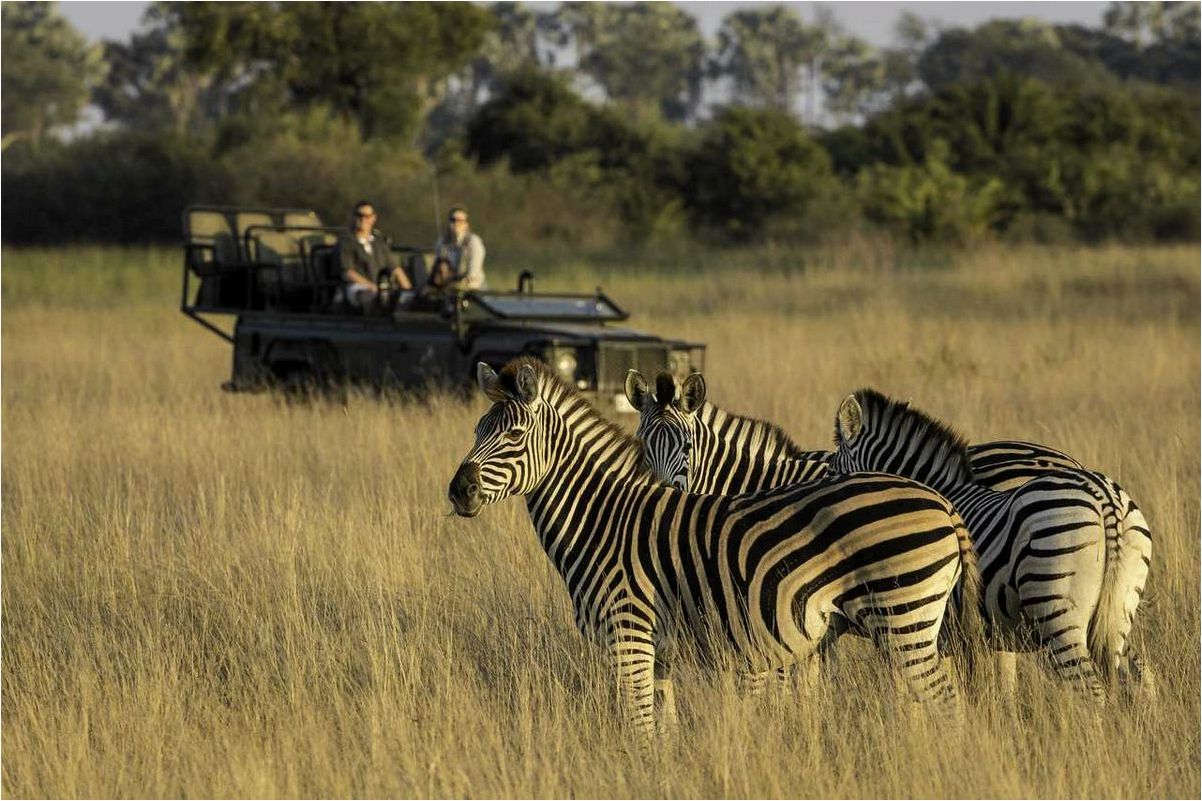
<point>614,359</point>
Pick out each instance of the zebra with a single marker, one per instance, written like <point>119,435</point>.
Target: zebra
<point>695,445</point>
<point>768,575</point>
<point>1063,557</point>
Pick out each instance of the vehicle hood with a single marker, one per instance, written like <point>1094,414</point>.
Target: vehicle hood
<point>576,331</point>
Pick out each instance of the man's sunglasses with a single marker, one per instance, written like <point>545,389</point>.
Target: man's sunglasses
<point>365,214</point>
<point>459,219</point>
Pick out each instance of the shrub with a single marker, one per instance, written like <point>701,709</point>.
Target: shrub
<point>753,165</point>
<point>930,202</point>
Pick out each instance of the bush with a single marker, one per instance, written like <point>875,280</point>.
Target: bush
<point>112,187</point>
<point>751,166</point>
<point>930,202</point>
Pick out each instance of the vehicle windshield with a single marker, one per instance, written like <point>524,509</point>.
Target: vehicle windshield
<point>550,306</point>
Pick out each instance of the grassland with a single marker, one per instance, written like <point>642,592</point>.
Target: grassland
<point>216,595</point>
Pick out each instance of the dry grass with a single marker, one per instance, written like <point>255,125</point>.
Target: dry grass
<point>214,595</point>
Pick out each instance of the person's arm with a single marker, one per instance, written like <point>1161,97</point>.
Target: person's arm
<point>474,274</point>
<point>399,276</point>
<point>346,257</point>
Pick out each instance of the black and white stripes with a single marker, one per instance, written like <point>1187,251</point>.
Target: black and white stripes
<point>768,575</point>
<point>695,445</point>
<point>1064,556</point>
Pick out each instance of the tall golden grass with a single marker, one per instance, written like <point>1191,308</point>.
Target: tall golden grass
<point>216,595</point>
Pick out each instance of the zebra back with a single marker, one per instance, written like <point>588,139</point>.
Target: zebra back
<point>710,450</point>
<point>1006,464</point>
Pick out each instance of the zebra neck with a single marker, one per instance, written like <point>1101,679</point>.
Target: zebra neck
<point>793,469</point>
<point>592,466</point>
<point>940,467</point>
<point>732,453</point>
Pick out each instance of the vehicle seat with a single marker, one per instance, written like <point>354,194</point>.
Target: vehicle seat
<point>244,220</point>
<point>281,274</point>
<point>210,242</point>
<point>302,219</point>
<point>327,276</point>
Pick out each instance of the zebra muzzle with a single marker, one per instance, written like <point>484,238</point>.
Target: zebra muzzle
<point>464,491</point>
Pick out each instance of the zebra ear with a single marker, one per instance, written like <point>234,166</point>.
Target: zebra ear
<point>850,419</point>
<point>526,382</point>
<point>489,382</point>
<point>692,393</point>
<point>636,389</point>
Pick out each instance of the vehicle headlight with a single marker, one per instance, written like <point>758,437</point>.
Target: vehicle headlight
<point>563,361</point>
<point>679,363</point>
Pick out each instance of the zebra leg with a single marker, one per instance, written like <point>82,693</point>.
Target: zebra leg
<point>912,651</point>
<point>1060,625</point>
<point>665,693</point>
<point>751,683</point>
<point>1136,679</point>
<point>1068,650</point>
<point>924,672</point>
<point>633,653</point>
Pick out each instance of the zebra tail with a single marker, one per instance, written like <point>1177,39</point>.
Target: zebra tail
<point>970,620</point>
<point>1111,621</point>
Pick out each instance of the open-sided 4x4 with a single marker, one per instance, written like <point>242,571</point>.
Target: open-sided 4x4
<point>276,272</point>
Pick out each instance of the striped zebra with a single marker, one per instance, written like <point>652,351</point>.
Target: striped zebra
<point>1064,556</point>
<point>695,445</point>
<point>769,576</point>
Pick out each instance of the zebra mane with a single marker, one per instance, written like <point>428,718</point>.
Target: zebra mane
<point>771,432</point>
<point>665,391</point>
<point>881,411</point>
<point>553,390</point>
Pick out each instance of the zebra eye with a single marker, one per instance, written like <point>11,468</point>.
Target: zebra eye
<point>686,446</point>
<point>515,433</point>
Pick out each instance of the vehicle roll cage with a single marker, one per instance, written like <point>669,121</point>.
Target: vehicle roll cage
<point>247,274</point>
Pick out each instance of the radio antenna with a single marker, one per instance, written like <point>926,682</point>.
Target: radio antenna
<point>437,202</point>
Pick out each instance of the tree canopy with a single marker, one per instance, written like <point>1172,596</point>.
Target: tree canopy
<point>950,133</point>
<point>47,70</point>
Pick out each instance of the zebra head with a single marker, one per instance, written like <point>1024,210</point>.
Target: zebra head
<point>876,433</point>
<point>666,423</point>
<point>850,450</point>
<point>511,453</point>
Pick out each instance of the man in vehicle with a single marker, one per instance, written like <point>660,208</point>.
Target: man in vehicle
<point>362,254</point>
<point>459,255</point>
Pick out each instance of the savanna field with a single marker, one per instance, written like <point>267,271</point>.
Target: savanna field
<point>208,594</point>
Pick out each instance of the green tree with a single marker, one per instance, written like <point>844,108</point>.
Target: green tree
<point>47,71</point>
<point>913,35</point>
<point>929,201</point>
<point>764,53</point>
<point>534,121</point>
<point>649,57</point>
<point>517,40</point>
<point>855,77</point>
<point>1163,39</point>
<point>383,65</point>
<point>149,84</point>
<point>538,124</point>
<point>1148,23</point>
<point>1026,47</point>
<point>752,165</point>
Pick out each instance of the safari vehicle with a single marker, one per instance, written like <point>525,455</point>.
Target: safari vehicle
<point>276,272</point>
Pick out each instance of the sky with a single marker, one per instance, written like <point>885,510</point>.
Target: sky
<point>872,21</point>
